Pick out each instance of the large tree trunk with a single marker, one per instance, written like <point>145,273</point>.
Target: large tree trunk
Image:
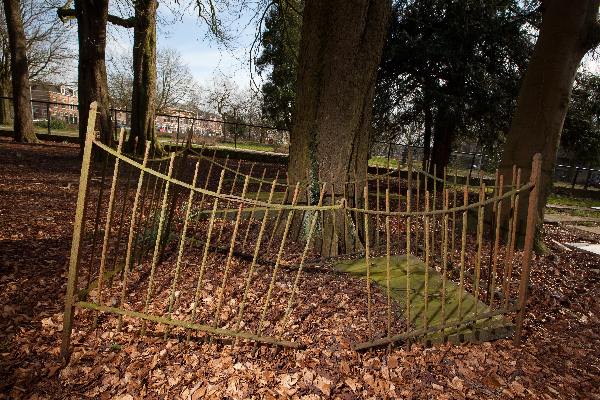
<point>92,16</point>
<point>23,119</point>
<point>569,30</point>
<point>144,77</point>
<point>340,50</point>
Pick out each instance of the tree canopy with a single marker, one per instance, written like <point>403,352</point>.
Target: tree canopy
<point>581,132</point>
<point>453,68</point>
<point>278,60</point>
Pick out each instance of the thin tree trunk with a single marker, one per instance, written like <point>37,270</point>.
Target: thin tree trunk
<point>428,123</point>
<point>92,16</point>
<point>443,136</point>
<point>23,121</point>
<point>6,114</point>
<point>144,77</point>
<point>569,30</point>
<point>340,50</point>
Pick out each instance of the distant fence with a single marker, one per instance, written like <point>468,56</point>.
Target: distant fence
<point>56,118</point>
<point>572,175</point>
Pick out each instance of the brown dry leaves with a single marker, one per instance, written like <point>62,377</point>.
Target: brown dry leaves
<point>560,357</point>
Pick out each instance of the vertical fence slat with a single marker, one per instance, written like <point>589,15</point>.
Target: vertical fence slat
<point>492,286</point>
<point>132,223</point>
<point>433,208</point>
<point>108,223</point>
<point>454,192</point>
<point>377,194</point>
<point>417,201</point>
<point>536,169</point>
<point>463,246</point>
<point>186,218</point>
<point>211,224</point>
<point>92,259</point>
<point>513,237</point>
<point>408,253</point>
<point>480,216</point>
<point>256,198</point>
<point>428,251</point>
<point>77,234</point>
<point>311,229</point>
<point>257,246</point>
<point>277,219</point>
<point>445,254</point>
<point>157,243</point>
<point>388,273</point>
<point>367,258</point>
<point>221,294</point>
<point>277,262</point>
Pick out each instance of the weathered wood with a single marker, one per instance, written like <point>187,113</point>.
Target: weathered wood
<point>206,248</point>
<point>132,224</point>
<point>535,179</point>
<point>388,240</point>
<point>286,230</point>
<point>108,223</point>
<point>367,255</point>
<point>257,247</point>
<point>182,238</point>
<point>513,239</point>
<point>157,243</point>
<point>424,331</point>
<point>77,235</point>
<point>190,325</point>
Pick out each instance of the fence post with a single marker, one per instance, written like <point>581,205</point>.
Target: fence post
<point>77,230</point>
<point>574,181</point>
<point>177,140</point>
<point>536,168</point>
<point>587,179</point>
<point>115,123</point>
<point>48,117</point>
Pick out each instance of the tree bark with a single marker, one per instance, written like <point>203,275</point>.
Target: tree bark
<point>23,118</point>
<point>92,16</point>
<point>6,114</point>
<point>428,122</point>
<point>340,50</point>
<point>568,31</point>
<point>443,136</point>
<point>144,77</point>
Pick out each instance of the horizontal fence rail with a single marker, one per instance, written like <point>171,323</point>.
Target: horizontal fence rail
<point>201,248</point>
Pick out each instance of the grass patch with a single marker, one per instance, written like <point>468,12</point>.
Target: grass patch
<point>563,200</point>
<point>248,146</point>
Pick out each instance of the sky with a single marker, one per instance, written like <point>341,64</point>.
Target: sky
<point>181,29</point>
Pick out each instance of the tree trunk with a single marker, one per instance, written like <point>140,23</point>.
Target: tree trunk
<point>144,77</point>
<point>340,50</point>
<point>23,121</point>
<point>92,16</point>
<point>443,136</point>
<point>428,122</point>
<point>569,30</point>
<point>6,114</point>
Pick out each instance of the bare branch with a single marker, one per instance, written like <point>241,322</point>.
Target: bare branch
<point>69,13</point>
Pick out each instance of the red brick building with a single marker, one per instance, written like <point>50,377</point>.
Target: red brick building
<point>66,97</point>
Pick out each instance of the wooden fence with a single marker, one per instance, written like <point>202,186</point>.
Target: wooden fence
<point>194,246</point>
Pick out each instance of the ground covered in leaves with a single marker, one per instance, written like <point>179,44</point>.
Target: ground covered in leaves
<point>560,357</point>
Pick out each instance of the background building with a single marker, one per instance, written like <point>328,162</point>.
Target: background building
<point>64,97</point>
